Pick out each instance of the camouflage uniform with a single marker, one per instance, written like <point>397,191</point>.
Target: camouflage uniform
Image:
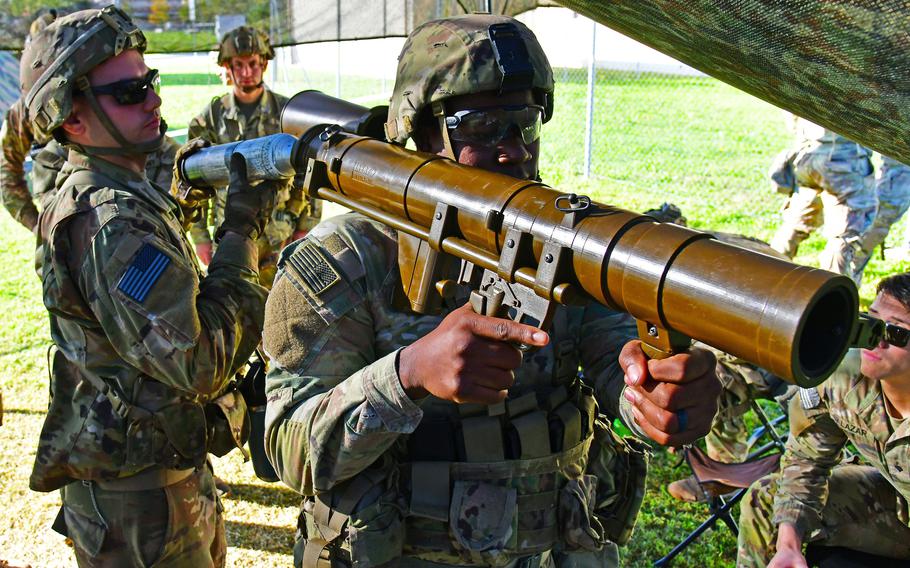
<point>892,186</point>
<point>141,386</point>
<point>863,507</point>
<point>222,122</point>
<point>338,419</point>
<point>47,160</point>
<point>742,383</point>
<point>835,173</point>
<point>172,355</point>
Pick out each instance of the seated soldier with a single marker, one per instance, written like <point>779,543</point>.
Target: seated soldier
<point>866,403</point>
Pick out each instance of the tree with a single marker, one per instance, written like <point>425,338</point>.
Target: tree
<point>158,13</point>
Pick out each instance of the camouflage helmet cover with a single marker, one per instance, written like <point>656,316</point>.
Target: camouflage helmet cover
<point>244,40</point>
<point>456,56</point>
<point>41,21</point>
<point>63,52</point>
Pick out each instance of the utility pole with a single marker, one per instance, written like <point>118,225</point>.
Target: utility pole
<point>592,75</point>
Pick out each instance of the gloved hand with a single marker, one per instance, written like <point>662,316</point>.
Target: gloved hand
<point>248,206</point>
<point>192,200</point>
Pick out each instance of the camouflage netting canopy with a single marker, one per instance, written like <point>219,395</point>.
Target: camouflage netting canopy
<point>193,25</point>
<point>842,63</point>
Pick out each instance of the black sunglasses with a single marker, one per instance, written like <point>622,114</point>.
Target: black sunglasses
<point>896,335</point>
<point>131,91</point>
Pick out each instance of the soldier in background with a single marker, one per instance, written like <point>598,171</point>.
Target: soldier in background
<point>834,185</point>
<point>379,415</point>
<point>250,110</point>
<point>866,403</point>
<point>145,347</point>
<point>17,141</point>
<point>892,186</point>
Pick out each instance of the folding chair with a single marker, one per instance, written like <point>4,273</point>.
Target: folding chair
<point>725,484</point>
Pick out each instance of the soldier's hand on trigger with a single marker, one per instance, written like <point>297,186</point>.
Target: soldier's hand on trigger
<point>248,205</point>
<point>467,358</point>
<point>673,400</point>
<point>191,199</point>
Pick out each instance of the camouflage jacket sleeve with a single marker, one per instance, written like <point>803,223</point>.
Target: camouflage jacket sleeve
<point>189,333</point>
<point>16,139</point>
<point>202,126</point>
<point>813,449</point>
<point>335,405</point>
<point>603,335</point>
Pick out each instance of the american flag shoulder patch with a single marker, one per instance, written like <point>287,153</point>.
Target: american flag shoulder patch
<point>140,277</point>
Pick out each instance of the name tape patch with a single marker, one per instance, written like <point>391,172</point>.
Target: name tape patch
<point>147,267</point>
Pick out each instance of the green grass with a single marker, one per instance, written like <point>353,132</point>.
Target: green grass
<point>696,142</point>
<point>177,41</point>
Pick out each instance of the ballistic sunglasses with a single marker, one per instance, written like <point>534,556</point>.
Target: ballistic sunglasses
<point>896,335</point>
<point>131,91</point>
<point>490,126</point>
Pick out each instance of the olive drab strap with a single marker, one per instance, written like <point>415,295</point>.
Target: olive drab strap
<point>439,111</point>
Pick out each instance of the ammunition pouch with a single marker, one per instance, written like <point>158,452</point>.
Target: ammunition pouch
<point>183,432</point>
<point>163,428</point>
<point>229,424</point>
<point>621,467</point>
<point>483,509</point>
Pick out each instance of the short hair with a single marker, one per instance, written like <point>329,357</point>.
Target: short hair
<point>897,286</point>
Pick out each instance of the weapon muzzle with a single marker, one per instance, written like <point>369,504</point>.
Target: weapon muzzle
<point>268,158</point>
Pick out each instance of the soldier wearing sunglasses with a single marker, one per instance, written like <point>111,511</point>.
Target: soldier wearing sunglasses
<point>18,141</point>
<point>145,346</point>
<point>250,110</point>
<point>379,416</point>
<point>815,498</point>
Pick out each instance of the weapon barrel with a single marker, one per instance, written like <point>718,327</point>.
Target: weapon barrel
<point>793,320</point>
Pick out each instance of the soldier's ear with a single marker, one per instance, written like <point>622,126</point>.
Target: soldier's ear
<point>74,126</point>
<point>263,63</point>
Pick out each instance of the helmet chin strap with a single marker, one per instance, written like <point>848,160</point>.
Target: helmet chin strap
<point>252,88</point>
<point>126,148</point>
<point>439,111</point>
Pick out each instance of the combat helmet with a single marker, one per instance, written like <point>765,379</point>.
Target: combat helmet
<point>55,65</point>
<point>244,40</point>
<point>463,55</point>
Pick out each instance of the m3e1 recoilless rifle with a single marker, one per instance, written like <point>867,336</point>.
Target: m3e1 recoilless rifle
<point>525,247</point>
